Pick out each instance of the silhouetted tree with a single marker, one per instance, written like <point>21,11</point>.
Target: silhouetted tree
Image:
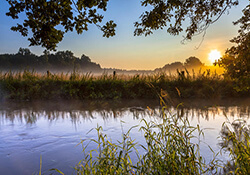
<point>193,62</point>
<point>24,59</point>
<point>236,59</point>
<point>62,60</point>
<point>174,65</point>
<point>171,67</point>
<point>78,14</point>
<point>85,58</point>
<point>24,51</point>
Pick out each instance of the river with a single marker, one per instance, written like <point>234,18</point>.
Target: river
<point>53,129</point>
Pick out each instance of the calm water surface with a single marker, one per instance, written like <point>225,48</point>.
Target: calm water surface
<point>52,129</point>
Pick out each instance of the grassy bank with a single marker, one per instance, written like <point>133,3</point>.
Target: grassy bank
<point>30,85</point>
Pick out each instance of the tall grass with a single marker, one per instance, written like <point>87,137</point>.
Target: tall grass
<point>172,146</point>
<point>28,85</point>
<point>169,149</point>
<point>236,140</point>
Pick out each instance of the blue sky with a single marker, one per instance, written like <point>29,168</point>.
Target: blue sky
<point>126,51</point>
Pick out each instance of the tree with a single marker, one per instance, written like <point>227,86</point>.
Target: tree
<point>193,62</point>
<point>236,60</point>
<point>44,16</point>
<point>24,51</point>
<point>85,58</point>
<point>173,66</point>
<point>61,60</point>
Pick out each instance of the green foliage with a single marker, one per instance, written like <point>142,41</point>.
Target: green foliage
<point>31,85</point>
<point>168,150</point>
<point>44,16</point>
<point>236,60</point>
<point>236,139</point>
<point>109,157</point>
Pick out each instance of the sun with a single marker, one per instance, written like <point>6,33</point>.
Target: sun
<point>214,55</point>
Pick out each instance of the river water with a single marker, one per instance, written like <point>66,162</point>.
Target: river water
<point>53,129</point>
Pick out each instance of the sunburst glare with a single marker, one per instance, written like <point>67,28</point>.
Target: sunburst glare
<point>214,55</point>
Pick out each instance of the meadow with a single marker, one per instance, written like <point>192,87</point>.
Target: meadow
<point>29,85</point>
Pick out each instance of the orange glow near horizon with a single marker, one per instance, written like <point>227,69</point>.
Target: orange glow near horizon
<point>214,55</point>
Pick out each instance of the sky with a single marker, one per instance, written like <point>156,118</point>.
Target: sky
<point>126,51</point>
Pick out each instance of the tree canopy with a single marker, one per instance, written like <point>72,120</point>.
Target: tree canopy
<point>236,60</point>
<point>44,17</point>
<point>190,63</point>
<point>193,62</point>
<point>60,61</point>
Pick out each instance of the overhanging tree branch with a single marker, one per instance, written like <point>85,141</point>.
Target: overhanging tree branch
<point>44,16</point>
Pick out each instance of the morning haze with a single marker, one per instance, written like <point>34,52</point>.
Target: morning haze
<point>107,87</point>
<point>124,51</point>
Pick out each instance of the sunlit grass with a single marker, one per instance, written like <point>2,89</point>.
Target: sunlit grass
<point>29,85</point>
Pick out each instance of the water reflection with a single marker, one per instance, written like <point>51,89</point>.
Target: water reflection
<point>53,129</point>
<point>77,111</point>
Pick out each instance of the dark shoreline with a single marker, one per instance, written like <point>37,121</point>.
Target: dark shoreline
<point>69,105</point>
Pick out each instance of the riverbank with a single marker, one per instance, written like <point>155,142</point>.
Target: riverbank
<point>29,85</point>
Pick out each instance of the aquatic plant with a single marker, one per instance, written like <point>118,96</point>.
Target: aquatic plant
<point>169,148</point>
<point>236,140</point>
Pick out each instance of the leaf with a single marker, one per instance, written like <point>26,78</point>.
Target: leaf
<point>54,169</point>
<point>179,93</point>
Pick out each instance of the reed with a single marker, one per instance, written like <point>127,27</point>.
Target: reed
<point>28,85</point>
<point>168,150</point>
<point>172,146</point>
<point>236,140</point>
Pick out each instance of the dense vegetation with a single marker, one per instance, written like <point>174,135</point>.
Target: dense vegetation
<point>60,61</point>
<point>32,85</point>
<point>236,60</point>
<point>66,61</point>
<point>190,63</point>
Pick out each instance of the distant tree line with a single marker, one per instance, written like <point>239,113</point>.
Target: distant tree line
<point>190,63</point>
<point>59,61</point>
<point>62,16</point>
<point>66,61</point>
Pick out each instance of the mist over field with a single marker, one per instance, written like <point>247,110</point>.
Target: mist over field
<point>66,62</point>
